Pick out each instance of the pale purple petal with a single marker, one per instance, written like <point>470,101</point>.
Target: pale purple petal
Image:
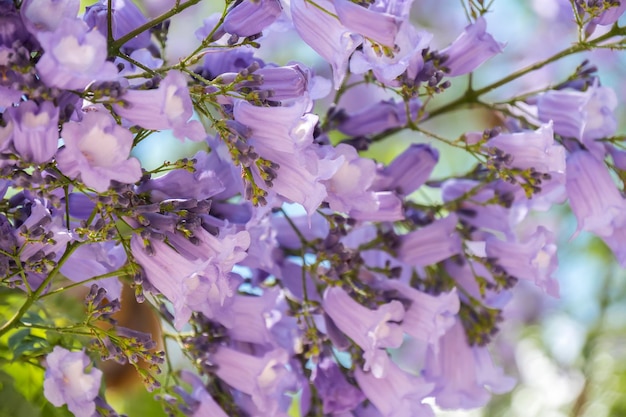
<point>74,56</point>
<point>67,383</point>
<point>430,244</point>
<point>335,43</point>
<point>473,47</point>
<point>97,149</point>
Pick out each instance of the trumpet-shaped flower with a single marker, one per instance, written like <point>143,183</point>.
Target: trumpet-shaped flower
<point>335,43</point>
<point>167,107</point>
<point>473,47</point>
<point>97,149</point>
<point>265,378</point>
<point>398,393</point>
<point>372,330</point>
<point>463,375</point>
<point>593,195</point>
<point>430,244</point>
<point>74,56</point>
<point>66,381</point>
<point>35,132</point>
<point>248,17</point>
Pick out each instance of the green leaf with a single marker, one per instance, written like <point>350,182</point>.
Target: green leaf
<point>12,402</point>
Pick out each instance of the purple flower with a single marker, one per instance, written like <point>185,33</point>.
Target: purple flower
<point>228,61</point>
<point>371,330</point>
<point>126,17</point>
<point>387,208</point>
<point>247,317</point>
<point>193,276</point>
<point>284,83</point>
<point>348,188</point>
<point>379,117</point>
<point>532,149</point>
<point>593,195</point>
<point>311,227</point>
<point>478,211</point>
<point>91,260</point>
<point>284,136</point>
<point>41,222</point>
<point>584,115</point>
<point>430,244</point>
<point>533,259</point>
<point>375,25</point>
<point>463,375</point>
<point>407,56</point>
<point>167,107</point>
<point>465,277</point>
<point>398,393</point>
<point>201,184</point>
<point>266,379</point>
<point>35,130</point>
<point>47,15</point>
<point>66,381</point>
<point>607,17</point>
<point>97,149</point>
<point>335,43</point>
<point>473,47</point>
<point>336,393</point>
<point>207,406</point>
<point>409,170</point>
<point>428,317</point>
<point>248,17</point>
<point>74,56</point>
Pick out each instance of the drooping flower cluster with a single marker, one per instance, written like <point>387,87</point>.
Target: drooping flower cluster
<point>289,265</point>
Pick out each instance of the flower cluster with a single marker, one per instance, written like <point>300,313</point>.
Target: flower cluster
<point>291,268</point>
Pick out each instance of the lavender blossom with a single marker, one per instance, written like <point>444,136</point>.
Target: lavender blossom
<point>97,150</point>
<point>335,43</point>
<point>348,188</point>
<point>266,379</point>
<point>379,117</point>
<point>47,15</point>
<point>66,381</point>
<point>584,115</point>
<point>125,17</point>
<point>247,317</point>
<point>74,56</point>
<point>91,260</point>
<point>336,393</point>
<point>532,149</point>
<point>430,244</point>
<point>247,18</point>
<point>35,132</point>
<point>287,142</point>
<point>593,195</point>
<point>481,211</point>
<point>473,47</point>
<point>207,405</point>
<point>167,107</point>
<point>463,375</point>
<point>406,57</point>
<point>41,235</point>
<point>375,25</point>
<point>194,277</point>
<point>205,182</point>
<point>284,83</point>
<point>371,330</point>
<point>428,317</point>
<point>398,393</point>
<point>409,170</point>
<point>533,259</point>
